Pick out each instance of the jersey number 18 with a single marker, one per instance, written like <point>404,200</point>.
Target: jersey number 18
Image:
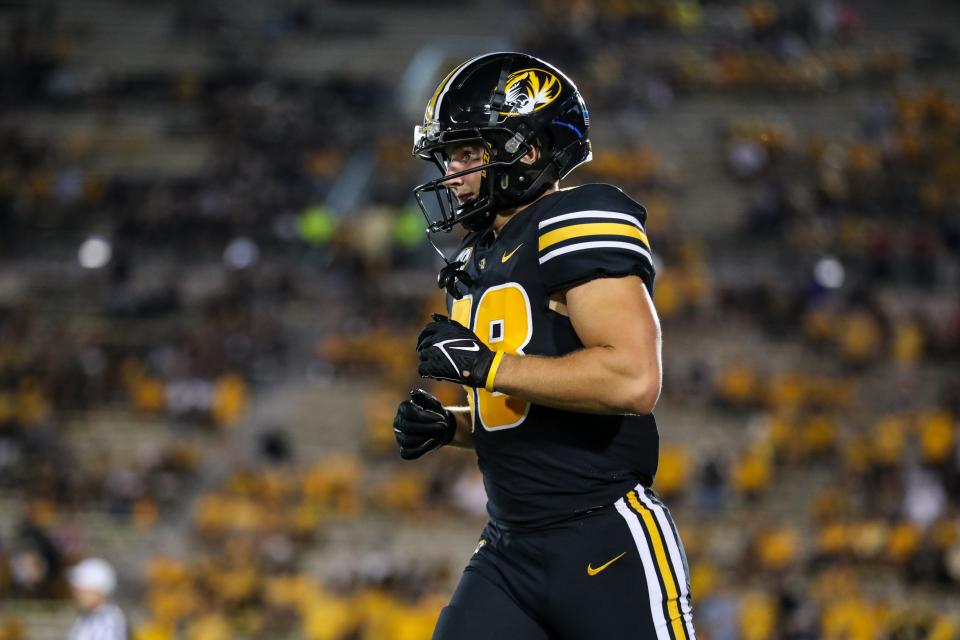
<point>502,320</point>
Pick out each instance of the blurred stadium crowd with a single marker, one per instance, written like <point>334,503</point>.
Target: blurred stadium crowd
<point>178,243</point>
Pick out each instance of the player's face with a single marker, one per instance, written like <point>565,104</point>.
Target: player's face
<point>460,158</point>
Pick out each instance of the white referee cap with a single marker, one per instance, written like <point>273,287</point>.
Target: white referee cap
<point>94,574</point>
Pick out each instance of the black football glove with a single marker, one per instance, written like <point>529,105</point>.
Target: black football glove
<point>422,425</point>
<point>449,351</point>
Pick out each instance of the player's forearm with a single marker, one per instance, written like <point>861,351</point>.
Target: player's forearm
<point>463,438</point>
<point>591,380</point>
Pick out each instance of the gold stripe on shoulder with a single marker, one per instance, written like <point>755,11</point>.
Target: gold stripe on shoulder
<point>592,229</point>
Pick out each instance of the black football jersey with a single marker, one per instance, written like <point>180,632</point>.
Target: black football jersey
<point>542,465</point>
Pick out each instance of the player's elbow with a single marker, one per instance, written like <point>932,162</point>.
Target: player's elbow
<point>643,395</point>
<point>637,386</point>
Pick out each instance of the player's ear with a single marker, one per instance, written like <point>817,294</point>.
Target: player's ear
<point>532,155</point>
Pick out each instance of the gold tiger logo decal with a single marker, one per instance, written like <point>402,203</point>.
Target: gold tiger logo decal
<point>529,90</point>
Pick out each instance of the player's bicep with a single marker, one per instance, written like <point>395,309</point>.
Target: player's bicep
<point>617,313</point>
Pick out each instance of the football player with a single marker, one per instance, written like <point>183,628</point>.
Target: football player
<point>553,333</point>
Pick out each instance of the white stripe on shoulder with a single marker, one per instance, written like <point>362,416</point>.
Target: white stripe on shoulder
<point>610,215</point>
<point>646,558</point>
<point>596,244</point>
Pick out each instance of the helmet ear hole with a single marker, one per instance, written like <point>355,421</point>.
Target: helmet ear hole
<point>545,141</point>
<point>537,154</point>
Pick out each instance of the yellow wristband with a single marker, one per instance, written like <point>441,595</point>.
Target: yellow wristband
<point>492,374</point>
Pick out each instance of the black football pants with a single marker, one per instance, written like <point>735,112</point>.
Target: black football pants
<point>618,572</point>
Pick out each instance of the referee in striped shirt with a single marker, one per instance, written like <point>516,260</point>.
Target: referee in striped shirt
<point>93,581</point>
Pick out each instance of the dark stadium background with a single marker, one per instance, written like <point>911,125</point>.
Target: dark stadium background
<point>212,271</point>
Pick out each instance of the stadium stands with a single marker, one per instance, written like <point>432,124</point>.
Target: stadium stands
<point>203,338</point>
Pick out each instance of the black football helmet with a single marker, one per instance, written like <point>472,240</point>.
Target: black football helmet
<point>507,103</point>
